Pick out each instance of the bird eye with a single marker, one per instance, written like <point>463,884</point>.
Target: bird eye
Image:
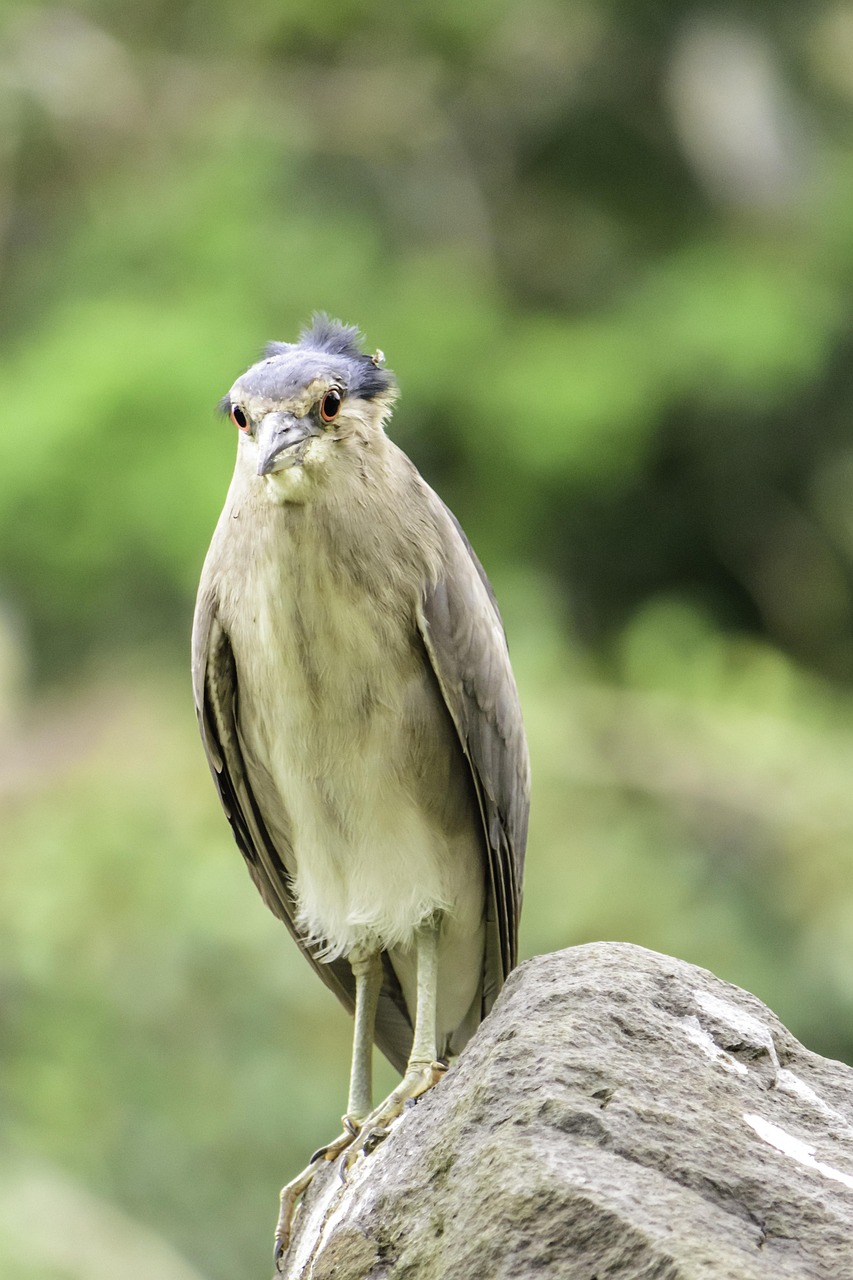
<point>239,418</point>
<point>330,404</point>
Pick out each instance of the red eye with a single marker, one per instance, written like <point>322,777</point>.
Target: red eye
<point>330,404</point>
<point>239,418</point>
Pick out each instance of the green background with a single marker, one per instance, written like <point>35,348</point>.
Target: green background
<point>607,247</point>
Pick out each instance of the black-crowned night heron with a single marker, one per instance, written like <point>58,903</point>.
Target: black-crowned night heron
<point>361,719</point>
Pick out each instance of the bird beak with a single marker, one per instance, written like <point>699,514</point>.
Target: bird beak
<point>278,433</point>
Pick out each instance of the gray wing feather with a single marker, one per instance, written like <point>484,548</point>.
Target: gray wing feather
<point>217,704</point>
<point>464,638</point>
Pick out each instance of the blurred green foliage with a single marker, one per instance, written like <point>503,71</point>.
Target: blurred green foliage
<point>607,247</point>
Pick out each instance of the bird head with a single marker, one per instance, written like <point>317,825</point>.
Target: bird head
<point>306,404</point>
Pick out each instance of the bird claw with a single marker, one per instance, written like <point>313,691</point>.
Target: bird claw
<point>373,1139</point>
<point>289,1198</point>
<point>333,1149</point>
<point>348,1159</point>
<point>351,1125</point>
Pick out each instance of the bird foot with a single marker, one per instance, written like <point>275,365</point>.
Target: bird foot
<point>358,1138</point>
<point>292,1193</point>
<point>419,1077</point>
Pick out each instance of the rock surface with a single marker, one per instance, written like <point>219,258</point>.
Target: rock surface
<point>620,1114</point>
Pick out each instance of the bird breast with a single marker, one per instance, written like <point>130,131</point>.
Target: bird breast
<point>350,749</point>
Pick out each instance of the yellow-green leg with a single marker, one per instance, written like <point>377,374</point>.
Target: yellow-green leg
<point>422,1071</point>
<point>367,971</point>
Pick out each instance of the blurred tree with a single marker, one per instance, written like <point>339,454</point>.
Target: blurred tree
<point>607,243</point>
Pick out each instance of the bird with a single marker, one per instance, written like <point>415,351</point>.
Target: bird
<point>361,720</point>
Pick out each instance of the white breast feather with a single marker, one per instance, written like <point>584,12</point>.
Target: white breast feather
<point>369,866</point>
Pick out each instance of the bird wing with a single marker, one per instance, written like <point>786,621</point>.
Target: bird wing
<point>216,692</point>
<point>464,637</point>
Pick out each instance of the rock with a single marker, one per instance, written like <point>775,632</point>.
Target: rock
<point>619,1114</point>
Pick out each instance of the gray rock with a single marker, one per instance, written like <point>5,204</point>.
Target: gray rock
<point>620,1114</point>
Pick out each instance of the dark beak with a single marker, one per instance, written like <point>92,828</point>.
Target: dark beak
<point>279,432</point>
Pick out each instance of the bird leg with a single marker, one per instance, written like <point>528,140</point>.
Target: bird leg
<point>422,1071</point>
<point>367,971</point>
